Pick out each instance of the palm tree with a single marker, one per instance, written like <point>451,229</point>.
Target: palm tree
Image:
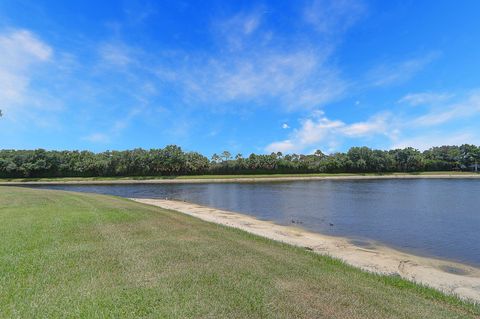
<point>226,155</point>
<point>215,158</point>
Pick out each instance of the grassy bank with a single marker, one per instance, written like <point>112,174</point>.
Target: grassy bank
<point>79,255</point>
<point>199,177</point>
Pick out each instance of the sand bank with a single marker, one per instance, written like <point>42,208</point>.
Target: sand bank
<point>239,179</point>
<point>449,277</point>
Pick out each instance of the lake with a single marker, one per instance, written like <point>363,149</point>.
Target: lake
<point>430,217</point>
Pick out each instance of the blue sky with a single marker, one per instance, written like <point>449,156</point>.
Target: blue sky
<point>243,76</point>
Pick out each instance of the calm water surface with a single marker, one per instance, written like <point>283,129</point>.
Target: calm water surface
<point>439,218</point>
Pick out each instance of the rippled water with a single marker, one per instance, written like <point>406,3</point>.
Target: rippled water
<point>439,218</point>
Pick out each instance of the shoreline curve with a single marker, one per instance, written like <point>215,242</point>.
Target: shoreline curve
<point>447,276</point>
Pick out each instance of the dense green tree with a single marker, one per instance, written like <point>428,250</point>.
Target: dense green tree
<point>469,155</point>
<point>196,163</point>
<point>172,160</point>
<point>442,158</point>
<point>408,160</point>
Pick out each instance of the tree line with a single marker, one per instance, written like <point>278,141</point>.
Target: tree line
<point>173,161</point>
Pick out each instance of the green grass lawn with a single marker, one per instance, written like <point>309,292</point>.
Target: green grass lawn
<point>67,255</point>
<point>68,179</point>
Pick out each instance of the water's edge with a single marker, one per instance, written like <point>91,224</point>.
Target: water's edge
<point>450,277</point>
<point>423,216</point>
<point>240,179</point>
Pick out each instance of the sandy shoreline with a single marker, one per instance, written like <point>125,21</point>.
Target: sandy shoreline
<point>242,179</point>
<point>449,277</point>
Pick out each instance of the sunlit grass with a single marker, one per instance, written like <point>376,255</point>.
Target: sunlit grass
<point>90,256</point>
<point>239,176</point>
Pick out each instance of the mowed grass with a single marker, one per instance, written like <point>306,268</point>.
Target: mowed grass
<point>238,176</point>
<point>67,255</point>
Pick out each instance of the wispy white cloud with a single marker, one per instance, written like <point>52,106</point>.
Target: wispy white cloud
<point>249,65</point>
<point>266,66</point>
<point>297,80</point>
<point>392,73</point>
<point>240,25</point>
<point>21,53</point>
<point>238,31</point>
<point>332,17</point>
<point>424,98</point>
<point>100,138</point>
<point>115,128</point>
<point>139,11</point>
<point>378,124</point>
<point>445,122</point>
<point>420,131</point>
<point>320,131</point>
<point>438,138</point>
<point>262,69</point>
<point>440,114</point>
<point>116,54</point>
<point>22,47</point>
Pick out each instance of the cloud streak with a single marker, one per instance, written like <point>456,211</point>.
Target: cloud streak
<point>20,52</point>
<point>320,131</point>
<point>296,80</point>
<point>252,63</point>
<point>440,115</point>
<point>421,131</point>
<point>387,74</point>
<point>424,98</point>
<point>333,17</point>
